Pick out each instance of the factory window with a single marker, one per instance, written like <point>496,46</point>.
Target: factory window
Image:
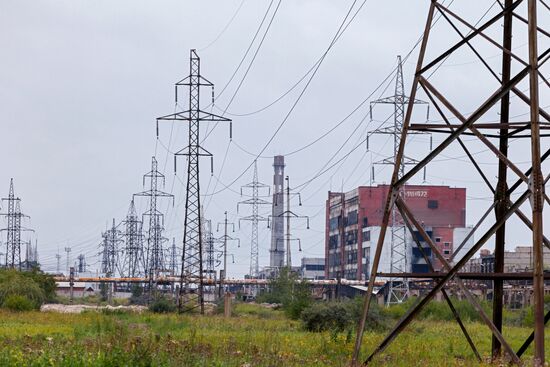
<point>438,239</point>
<point>333,242</point>
<point>365,222</point>
<point>351,237</point>
<point>433,204</point>
<point>333,223</point>
<point>352,218</point>
<point>446,252</point>
<point>366,253</point>
<point>315,267</point>
<point>366,236</point>
<point>352,257</point>
<point>447,244</point>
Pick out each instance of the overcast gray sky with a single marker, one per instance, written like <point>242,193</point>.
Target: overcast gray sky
<point>82,82</point>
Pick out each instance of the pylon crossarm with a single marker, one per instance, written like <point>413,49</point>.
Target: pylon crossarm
<point>406,212</point>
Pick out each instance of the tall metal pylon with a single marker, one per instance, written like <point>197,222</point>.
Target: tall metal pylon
<point>81,268</point>
<point>519,190</point>
<point>191,295</point>
<point>133,262</point>
<point>255,201</point>
<point>398,290</point>
<point>173,258</point>
<point>14,229</point>
<point>112,238</point>
<point>154,255</point>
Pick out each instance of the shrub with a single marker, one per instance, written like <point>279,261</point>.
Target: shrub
<point>138,296</point>
<point>16,302</point>
<point>289,291</point>
<point>44,281</point>
<point>326,316</point>
<point>341,315</point>
<point>162,305</point>
<point>14,283</point>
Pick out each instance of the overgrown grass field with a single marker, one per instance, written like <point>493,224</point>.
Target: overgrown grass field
<point>254,336</point>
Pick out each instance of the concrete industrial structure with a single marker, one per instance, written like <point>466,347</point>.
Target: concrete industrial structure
<point>353,222</point>
<point>519,260</point>
<point>277,251</point>
<point>313,268</point>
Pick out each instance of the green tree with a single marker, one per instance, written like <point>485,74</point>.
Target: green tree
<point>287,289</point>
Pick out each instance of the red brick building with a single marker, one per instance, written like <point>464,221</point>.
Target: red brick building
<point>353,221</point>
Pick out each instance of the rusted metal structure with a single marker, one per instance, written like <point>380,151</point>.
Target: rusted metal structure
<point>518,17</point>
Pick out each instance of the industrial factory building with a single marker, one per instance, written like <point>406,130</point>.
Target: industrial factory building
<point>354,218</point>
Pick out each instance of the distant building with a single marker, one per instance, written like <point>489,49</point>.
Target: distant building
<point>354,218</point>
<point>519,260</point>
<point>313,268</point>
<point>80,289</point>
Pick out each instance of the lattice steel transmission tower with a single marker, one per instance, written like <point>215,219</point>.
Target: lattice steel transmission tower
<point>81,267</point>
<point>112,238</point>
<point>154,254</point>
<point>191,295</point>
<point>400,251</point>
<point>518,192</point>
<point>14,229</point>
<point>255,201</point>
<point>133,262</point>
<point>173,263</point>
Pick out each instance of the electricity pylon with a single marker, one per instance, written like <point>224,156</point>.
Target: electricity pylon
<point>399,250</point>
<point>112,238</point>
<point>191,279</point>
<point>154,254</point>
<point>133,264</point>
<point>255,201</point>
<point>14,229</point>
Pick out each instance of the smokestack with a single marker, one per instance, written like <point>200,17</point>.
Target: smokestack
<point>277,251</point>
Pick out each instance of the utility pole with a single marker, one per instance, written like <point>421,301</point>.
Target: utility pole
<point>68,251</point>
<point>155,255</point>
<point>14,229</point>
<point>255,218</point>
<point>399,251</point>
<point>225,238</point>
<point>133,264</point>
<point>71,284</point>
<point>288,214</point>
<point>191,296</point>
